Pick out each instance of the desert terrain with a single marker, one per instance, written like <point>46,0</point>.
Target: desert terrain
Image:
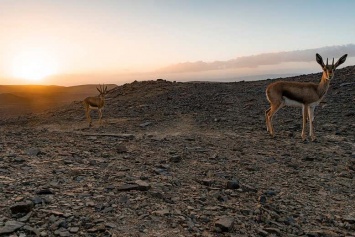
<point>181,159</point>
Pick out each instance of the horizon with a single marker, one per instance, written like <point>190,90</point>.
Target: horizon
<point>116,42</point>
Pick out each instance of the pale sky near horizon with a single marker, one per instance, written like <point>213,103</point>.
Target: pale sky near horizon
<point>88,37</point>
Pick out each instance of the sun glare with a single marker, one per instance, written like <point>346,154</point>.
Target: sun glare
<point>33,66</point>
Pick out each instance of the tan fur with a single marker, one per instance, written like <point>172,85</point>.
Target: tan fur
<point>304,94</point>
<point>95,103</point>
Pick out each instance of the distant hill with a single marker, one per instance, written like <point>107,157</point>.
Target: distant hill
<point>8,98</point>
<point>40,89</point>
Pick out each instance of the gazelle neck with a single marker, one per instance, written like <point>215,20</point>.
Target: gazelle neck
<point>323,85</point>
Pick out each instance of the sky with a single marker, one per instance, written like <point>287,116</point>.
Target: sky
<point>66,42</point>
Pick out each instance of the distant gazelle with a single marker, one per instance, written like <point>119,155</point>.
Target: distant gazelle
<point>97,102</point>
<point>301,94</point>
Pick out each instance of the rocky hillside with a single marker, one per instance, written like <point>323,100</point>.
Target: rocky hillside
<point>182,159</point>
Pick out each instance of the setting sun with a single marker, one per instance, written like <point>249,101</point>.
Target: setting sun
<point>33,65</point>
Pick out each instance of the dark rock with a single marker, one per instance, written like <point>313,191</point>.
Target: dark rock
<point>21,207</point>
<point>270,193</point>
<point>44,192</point>
<point>207,182</point>
<point>262,199</point>
<point>140,185</point>
<point>175,158</point>
<point>233,184</point>
<point>349,219</point>
<point>19,160</point>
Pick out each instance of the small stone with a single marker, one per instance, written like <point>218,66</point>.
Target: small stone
<point>10,227</point>
<point>111,225</point>
<point>207,182</point>
<point>57,213</point>
<point>319,233</point>
<point>233,184</point>
<point>44,192</point>
<point>248,188</point>
<point>273,231</point>
<point>19,199</point>
<point>128,187</point>
<point>120,148</point>
<point>225,224</point>
<point>175,158</point>
<point>32,230</point>
<point>90,204</point>
<point>163,212</point>
<point>143,125</point>
<point>262,199</point>
<point>57,224</point>
<point>33,151</point>
<point>349,219</point>
<point>74,229</point>
<point>270,193</point>
<point>26,217</point>
<point>64,233</point>
<point>37,200</point>
<point>262,232</point>
<point>143,186</point>
<point>19,160</point>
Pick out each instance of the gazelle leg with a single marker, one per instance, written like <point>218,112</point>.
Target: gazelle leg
<point>267,119</point>
<point>304,121</point>
<point>88,116</point>
<point>270,113</point>
<point>100,117</point>
<point>311,118</point>
<point>313,113</point>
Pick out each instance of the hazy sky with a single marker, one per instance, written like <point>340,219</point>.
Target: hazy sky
<point>125,37</point>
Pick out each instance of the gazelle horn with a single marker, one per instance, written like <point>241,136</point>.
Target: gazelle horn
<point>333,63</point>
<point>327,62</point>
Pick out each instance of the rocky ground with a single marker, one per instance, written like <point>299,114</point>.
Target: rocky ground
<point>181,159</point>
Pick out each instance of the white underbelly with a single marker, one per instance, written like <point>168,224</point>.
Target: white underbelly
<point>289,102</point>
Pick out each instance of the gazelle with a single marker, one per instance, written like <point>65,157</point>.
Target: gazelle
<point>97,102</point>
<point>301,94</point>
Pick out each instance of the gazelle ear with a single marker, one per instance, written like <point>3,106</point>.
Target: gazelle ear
<point>340,61</point>
<point>320,60</point>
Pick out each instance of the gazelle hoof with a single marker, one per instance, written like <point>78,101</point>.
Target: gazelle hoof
<point>304,137</point>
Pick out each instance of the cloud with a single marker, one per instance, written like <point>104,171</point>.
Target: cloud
<point>254,61</point>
